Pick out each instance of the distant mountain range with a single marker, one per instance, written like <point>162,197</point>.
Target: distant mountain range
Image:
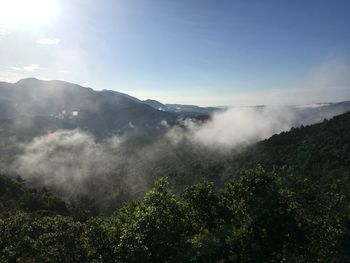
<point>100,112</point>
<point>62,104</point>
<point>182,109</point>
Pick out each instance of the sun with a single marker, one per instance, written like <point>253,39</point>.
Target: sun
<point>27,13</point>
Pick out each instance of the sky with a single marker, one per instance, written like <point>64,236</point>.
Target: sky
<point>203,52</point>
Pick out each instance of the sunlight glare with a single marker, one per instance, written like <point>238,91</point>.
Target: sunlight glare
<point>27,13</point>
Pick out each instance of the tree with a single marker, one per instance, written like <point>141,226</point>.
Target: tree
<point>156,228</point>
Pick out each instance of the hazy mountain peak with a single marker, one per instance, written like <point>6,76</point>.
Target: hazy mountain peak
<point>113,92</point>
<point>25,80</point>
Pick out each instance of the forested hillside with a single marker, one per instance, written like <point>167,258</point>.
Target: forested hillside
<point>14,195</point>
<point>318,148</point>
<point>288,203</point>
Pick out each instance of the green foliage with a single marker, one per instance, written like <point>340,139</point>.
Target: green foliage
<point>258,217</point>
<point>322,212</point>
<point>101,237</point>
<point>15,195</point>
<point>46,239</point>
<point>262,223</point>
<point>156,228</point>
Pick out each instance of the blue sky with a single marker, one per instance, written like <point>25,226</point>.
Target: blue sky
<point>184,51</point>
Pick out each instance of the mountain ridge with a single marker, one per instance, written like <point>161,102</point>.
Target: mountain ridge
<point>108,112</point>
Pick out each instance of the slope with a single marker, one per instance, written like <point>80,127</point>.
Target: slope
<point>99,112</point>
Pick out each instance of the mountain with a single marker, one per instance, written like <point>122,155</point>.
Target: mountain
<point>156,105</point>
<point>192,108</point>
<point>99,112</point>
<point>183,110</point>
<point>308,114</point>
<point>107,112</point>
<point>113,92</point>
<point>304,114</point>
<point>312,151</point>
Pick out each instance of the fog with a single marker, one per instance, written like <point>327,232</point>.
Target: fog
<point>236,126</point>
<point>74,163</point>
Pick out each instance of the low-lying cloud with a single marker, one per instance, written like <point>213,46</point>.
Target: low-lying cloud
<point>66,159</point>
<point>75,163</point>
<point>236,126</point>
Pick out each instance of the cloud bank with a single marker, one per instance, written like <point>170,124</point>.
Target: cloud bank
<point>74,163</point>
<point>236,126</point>
<point>66,160</point>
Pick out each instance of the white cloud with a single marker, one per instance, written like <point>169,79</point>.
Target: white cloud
<point>31,67</point>
<point>9,76</point>
<point>13,74</point>
<point>15,68</point>
<point>235,127</point>
<point>27,68</point>
<point>48,41</point>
